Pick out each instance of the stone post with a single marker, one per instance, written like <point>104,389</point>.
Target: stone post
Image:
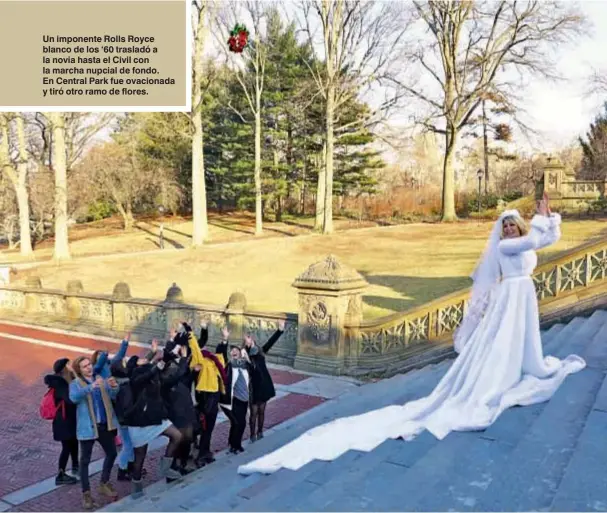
<point>31,300</point>
<point>554,172</point>
<point>73,306</point>
<point>330,295</point>
<point>234,312</point>
<point>121,293</point>
<point>172,305</point>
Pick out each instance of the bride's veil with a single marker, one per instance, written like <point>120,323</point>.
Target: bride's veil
<point>485,277</point>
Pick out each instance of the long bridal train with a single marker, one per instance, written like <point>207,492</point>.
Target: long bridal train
<point>501,363</point>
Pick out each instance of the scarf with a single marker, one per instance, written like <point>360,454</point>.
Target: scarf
<point>107,404</point>
<point>222,372</point>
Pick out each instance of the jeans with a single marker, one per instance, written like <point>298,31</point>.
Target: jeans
<point>127,454</point>
<point>107,441</point>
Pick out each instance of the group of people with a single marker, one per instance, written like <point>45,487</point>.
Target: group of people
<point>175,391</point>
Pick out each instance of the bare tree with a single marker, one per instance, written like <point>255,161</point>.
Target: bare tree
<point>59,166</point>
<point>17,174</point>
<point>120,177</point>
<point>475,47</point>
<point>82,130</point>
<point>360,41</point>
<point>249,68</point>
<point>200,28</point>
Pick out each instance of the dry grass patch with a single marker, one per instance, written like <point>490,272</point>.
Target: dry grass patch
<point>404,265</point>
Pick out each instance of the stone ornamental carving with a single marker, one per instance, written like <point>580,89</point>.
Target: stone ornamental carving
<point>319,320</point>
<point>330,274</point>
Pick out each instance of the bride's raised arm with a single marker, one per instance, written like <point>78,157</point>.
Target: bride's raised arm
<point>545,230</point>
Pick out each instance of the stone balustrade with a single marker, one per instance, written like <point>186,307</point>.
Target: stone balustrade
<point>328,334</point>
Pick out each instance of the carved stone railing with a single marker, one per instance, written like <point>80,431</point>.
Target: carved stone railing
<point>567,283</point>
<point>328,334</point>
<point>113,315</point>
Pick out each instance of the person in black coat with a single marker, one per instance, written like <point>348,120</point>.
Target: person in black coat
<point>64,423</point>
<point>178,400</point>
<point>235,401</point>
<point>262,386</point>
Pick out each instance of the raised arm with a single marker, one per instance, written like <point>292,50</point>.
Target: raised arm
<point>544,232</point>
<point>272,340</point>
<point>196,351</point>
<point>101,361</point>
<point>124,345</point>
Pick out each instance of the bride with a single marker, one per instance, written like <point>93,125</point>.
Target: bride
<point>500,363</point>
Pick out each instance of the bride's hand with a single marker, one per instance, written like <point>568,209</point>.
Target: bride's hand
<point>542,207</point>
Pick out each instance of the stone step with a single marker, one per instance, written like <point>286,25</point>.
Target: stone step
<point>366,394</point>
<point>551,333</point>
<point>343,480</point>
<point>482,464</point>
<point>535,467</point>
<point>596,353</point>
<point>417,388</point>
<point>391,486</point>
<point>585,481</point>
<point>582,336</point>
<point>563,336</point>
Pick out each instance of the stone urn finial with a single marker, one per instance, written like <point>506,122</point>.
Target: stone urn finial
<point>330,274</point>
<point>237,302</point>
<point>121,291</point>
<point>74,287</point>
<point>174,294</point>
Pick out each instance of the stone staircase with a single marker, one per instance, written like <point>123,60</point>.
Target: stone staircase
<point>546,457</point>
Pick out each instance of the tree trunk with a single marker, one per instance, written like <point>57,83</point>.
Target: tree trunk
<point>485,148</point>
<point>21,191</point>
<point>328,210</point>
<point>279,194</point>
<point>62,249</point>
<point>320,192</point>
<point>200,228</point>
<point>448,177</point>
<point>258,205</point>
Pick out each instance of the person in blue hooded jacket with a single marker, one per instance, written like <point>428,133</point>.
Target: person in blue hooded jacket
<point>102,366</point>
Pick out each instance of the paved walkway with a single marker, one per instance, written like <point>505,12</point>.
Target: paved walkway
<point>28,454</point>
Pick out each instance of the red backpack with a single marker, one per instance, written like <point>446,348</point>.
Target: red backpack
<point>48,410</point>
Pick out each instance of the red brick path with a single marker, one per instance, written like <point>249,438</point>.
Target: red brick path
<point>28,453</point>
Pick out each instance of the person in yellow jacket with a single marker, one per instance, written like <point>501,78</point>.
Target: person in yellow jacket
<point>209,385</point>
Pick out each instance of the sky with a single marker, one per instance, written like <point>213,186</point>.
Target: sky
<point>562,112</point>
<point>558,112</point>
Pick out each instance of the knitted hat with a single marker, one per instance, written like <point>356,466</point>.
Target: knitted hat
<point>59,365</point>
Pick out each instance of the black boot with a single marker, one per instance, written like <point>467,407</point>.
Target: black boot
<point>63,479</point>
<point>124,475</point>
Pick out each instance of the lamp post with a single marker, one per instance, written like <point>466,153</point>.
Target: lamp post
<point>479,175</point>
<point>161,211</point>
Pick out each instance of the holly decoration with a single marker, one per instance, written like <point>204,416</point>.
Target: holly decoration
<point>239,38</point>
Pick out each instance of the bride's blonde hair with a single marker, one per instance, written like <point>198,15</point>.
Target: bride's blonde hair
<point>519,222</point>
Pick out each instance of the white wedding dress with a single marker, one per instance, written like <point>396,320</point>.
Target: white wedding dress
<point>501,364</point>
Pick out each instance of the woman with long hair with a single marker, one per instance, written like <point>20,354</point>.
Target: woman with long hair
<point>262,386</point>
<point>95,421</point>
<point>64,423</point>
